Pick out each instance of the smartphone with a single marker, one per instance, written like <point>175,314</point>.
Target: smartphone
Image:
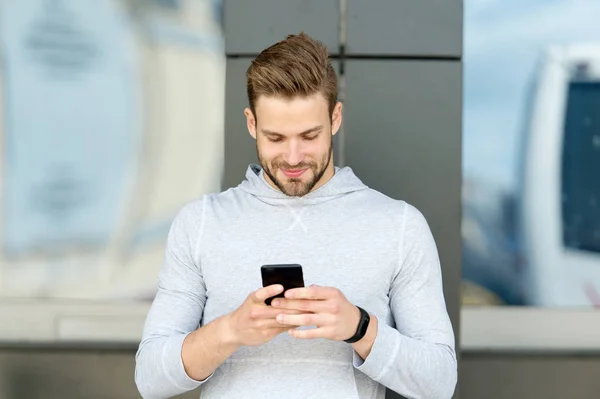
<point>288,275</point>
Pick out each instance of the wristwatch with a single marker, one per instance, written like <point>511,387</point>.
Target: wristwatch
<point>361,330</point>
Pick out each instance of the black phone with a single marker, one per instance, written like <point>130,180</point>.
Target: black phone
<point>288,275</point>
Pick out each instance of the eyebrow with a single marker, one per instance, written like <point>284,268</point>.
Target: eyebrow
<point>308,131</point>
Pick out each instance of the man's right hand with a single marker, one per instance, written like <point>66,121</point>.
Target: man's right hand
<point>254,322</point>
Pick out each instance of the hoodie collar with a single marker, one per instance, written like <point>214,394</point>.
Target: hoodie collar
<point>343,182</point>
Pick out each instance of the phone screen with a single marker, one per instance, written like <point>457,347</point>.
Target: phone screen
<point>288,275</point>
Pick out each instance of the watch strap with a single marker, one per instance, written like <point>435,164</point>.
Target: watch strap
<point>361,329</point>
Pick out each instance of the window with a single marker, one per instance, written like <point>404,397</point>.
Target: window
<point>581,168</point>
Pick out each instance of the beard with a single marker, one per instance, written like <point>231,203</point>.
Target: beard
<point>296,187</point>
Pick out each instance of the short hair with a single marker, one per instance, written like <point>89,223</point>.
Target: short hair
<point>295,66</point>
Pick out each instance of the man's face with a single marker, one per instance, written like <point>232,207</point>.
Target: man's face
<point>294,141</point>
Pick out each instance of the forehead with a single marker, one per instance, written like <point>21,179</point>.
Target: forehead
<point>280,113</point>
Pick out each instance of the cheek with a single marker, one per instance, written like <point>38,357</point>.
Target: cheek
<point>318,149</point>
<point>268,151</point>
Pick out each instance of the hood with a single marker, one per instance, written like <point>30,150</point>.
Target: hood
<point>343,182</point>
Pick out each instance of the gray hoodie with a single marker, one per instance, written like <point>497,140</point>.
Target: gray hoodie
<point>378,251</point>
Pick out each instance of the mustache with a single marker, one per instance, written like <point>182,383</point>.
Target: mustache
<point>284,165</point>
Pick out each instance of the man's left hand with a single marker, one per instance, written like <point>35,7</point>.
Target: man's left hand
<point>324,307</point>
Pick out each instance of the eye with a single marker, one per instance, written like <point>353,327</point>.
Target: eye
<point>314,136</point>
<point>274,139</point>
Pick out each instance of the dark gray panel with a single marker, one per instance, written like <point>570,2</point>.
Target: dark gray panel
<point>403,138</point>
<point>240,147</point>
<point>251,26</point>
<point>510,376</point>
<point>405,27</point>
<point>70,374</point>
<point>109,374</point>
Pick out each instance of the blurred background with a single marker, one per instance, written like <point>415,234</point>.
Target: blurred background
<point>113,119</point>
<point>113,116</point>
<point>531,153</point>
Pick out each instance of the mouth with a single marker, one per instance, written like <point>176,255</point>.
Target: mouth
<point>294,172</point>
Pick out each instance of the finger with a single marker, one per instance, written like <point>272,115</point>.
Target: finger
<point>304,305</point>
<point>312,333</point>
<point>262,294</point>
<point>312,292</point>
<point>289,311</point>
<point>272,323</point>
<point>306,319</point>
<point>273,332</point>
<point>267,312</point>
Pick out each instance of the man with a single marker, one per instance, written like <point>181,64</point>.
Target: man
<point>372,314</point>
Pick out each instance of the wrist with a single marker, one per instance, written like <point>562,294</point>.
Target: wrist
<point>371,331</point>
<point>227,332</point>
<point>363,347</point>
<point>360,325</point>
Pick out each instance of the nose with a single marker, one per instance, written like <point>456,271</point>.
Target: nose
<point>294,154</point>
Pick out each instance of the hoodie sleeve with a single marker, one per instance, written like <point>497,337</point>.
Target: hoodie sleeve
<point>417,358</point>
<point>175,312</point>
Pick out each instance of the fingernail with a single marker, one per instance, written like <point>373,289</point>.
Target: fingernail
<point>275,302</point>
<point>280,318</point>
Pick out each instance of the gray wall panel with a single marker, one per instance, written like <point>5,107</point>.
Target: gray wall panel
<point>72,374</point>
<point>405,27</point>
<point>240,147</point>
<point>514,376</point>
<point>54,374</point>
<point>250,26</point>
<point>403,138</point>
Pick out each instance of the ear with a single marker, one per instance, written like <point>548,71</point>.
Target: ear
<point>336,118</point>
<point>250,122</point>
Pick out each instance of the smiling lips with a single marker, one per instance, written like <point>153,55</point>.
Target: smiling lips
<point>293,172</point>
